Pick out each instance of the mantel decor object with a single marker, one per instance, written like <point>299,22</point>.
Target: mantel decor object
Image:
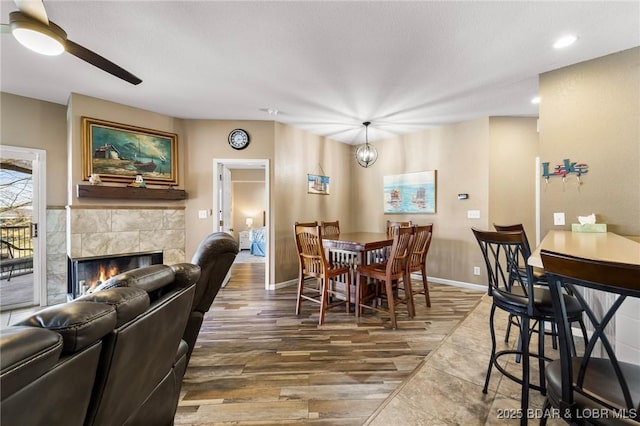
<point>120,152</point>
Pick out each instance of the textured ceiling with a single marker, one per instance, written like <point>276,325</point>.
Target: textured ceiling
<point>325,66</point>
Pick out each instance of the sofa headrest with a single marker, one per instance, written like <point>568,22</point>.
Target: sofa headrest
<point>26,353</point>
<point>214,245</point>
<point>214,255</point>
<point>79,323</point>
<point>148,278</point>
<point>129,302</point>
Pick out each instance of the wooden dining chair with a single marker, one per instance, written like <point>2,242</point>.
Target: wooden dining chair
<point>393,224</point>
<point>593,386</point>
<point>388,278</point>
<point>313,264</point>
<point>418,259</point>
<point>330,229</point>
<point>314,223</point>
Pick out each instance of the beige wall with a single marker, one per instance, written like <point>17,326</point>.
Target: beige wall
<point>513,148</point>
<point>590,113</point>
<point>299,153</point>
<point>460,154</point>
<point>30,123</point>
<point>205,140</point>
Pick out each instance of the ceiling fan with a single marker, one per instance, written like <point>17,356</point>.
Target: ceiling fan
<point>32,28</point>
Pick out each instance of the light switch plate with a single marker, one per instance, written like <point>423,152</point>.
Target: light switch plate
<point>202,214</point>
<point>558,218</point>
<point>473,214</point>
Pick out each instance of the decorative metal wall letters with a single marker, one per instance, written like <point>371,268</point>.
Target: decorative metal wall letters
<point>564,169</point>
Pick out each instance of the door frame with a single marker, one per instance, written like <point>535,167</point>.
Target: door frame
<point>248,164</point>
<point>39,204</point>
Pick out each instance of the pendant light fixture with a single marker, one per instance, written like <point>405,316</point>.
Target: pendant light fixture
<point>366,154</point>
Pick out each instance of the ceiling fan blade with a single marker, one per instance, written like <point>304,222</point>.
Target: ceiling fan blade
<point>5,28</point>
<point>100,62</point>
<point>34,9</point>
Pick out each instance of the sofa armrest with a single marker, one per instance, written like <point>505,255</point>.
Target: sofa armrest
<point>186,274</point>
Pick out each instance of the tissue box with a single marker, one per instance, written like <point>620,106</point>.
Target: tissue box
<point>589,227</point>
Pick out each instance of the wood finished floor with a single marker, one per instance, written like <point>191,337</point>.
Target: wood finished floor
<point>257,363</point>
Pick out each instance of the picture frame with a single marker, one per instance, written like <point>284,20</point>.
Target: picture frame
<point>119,152</point>
<point>318,184</point>
<point>410,192</point>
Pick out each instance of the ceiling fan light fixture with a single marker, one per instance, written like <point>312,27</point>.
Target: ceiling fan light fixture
<point>46,40</point>
<point>366,154</point>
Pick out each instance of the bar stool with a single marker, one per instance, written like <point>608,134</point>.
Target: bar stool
<point>503,252</point>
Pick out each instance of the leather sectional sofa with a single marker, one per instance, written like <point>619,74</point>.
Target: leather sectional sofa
<point>116,356</point>
<point>112,357</point>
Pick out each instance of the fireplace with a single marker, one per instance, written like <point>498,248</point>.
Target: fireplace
<point>85,273</point>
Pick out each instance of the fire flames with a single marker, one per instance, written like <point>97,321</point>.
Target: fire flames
<point>104,273</point>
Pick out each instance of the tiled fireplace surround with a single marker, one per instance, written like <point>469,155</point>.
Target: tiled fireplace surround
<point>98,230</point>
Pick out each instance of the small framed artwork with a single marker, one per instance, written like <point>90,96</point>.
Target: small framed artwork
<point>410,193</point>
<point>318,184</point>
<point>119,152</point>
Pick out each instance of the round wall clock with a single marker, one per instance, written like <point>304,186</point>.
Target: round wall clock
<point>238,139</point>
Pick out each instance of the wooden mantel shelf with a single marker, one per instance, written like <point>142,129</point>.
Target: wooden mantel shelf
<point>130,193</point>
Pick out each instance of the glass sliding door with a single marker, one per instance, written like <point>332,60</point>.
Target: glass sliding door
<point>21,228</point>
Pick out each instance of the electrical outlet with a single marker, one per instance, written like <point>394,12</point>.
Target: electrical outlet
<point>558,218</point>
<point>476,270</point>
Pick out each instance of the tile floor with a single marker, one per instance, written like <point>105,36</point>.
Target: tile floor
<point>446,389</point>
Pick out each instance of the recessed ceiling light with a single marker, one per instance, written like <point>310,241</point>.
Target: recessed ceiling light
<point>565,41</point>
<point>272,111</point>
<point>535,100</point>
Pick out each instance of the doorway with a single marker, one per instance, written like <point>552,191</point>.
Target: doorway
<point>234,222</point>
<point>22,227</point>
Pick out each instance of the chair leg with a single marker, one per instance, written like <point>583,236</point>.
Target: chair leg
<point>300,290</point>
<point>541,336</point>
<point>425,285</point>
<point>408,294</point>
<point>358,296</point>
<point>324,298</point>
<point>392,309</point>
<point>546,407</point>
<point>525,338</point>
<point>509,323</point>
<point>493,349</point>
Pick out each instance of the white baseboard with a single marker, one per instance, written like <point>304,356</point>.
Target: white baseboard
<point>430,279</point>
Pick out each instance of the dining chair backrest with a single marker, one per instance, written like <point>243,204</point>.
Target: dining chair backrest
<point>604,381</point>
<point>330,229</point>
<point>314,223</point>
<point>400,251</point>
<point>513,228</point>
<point>311,254</point>
<point>395,224</point>
<point>421,243</point>
<point>502,253</point>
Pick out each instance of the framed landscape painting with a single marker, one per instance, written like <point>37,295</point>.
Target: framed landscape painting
<point>119,152</point>
<point>410,193</point>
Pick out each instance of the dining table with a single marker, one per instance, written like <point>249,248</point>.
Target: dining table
<point>606,246</point>
<point>357,248</point>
